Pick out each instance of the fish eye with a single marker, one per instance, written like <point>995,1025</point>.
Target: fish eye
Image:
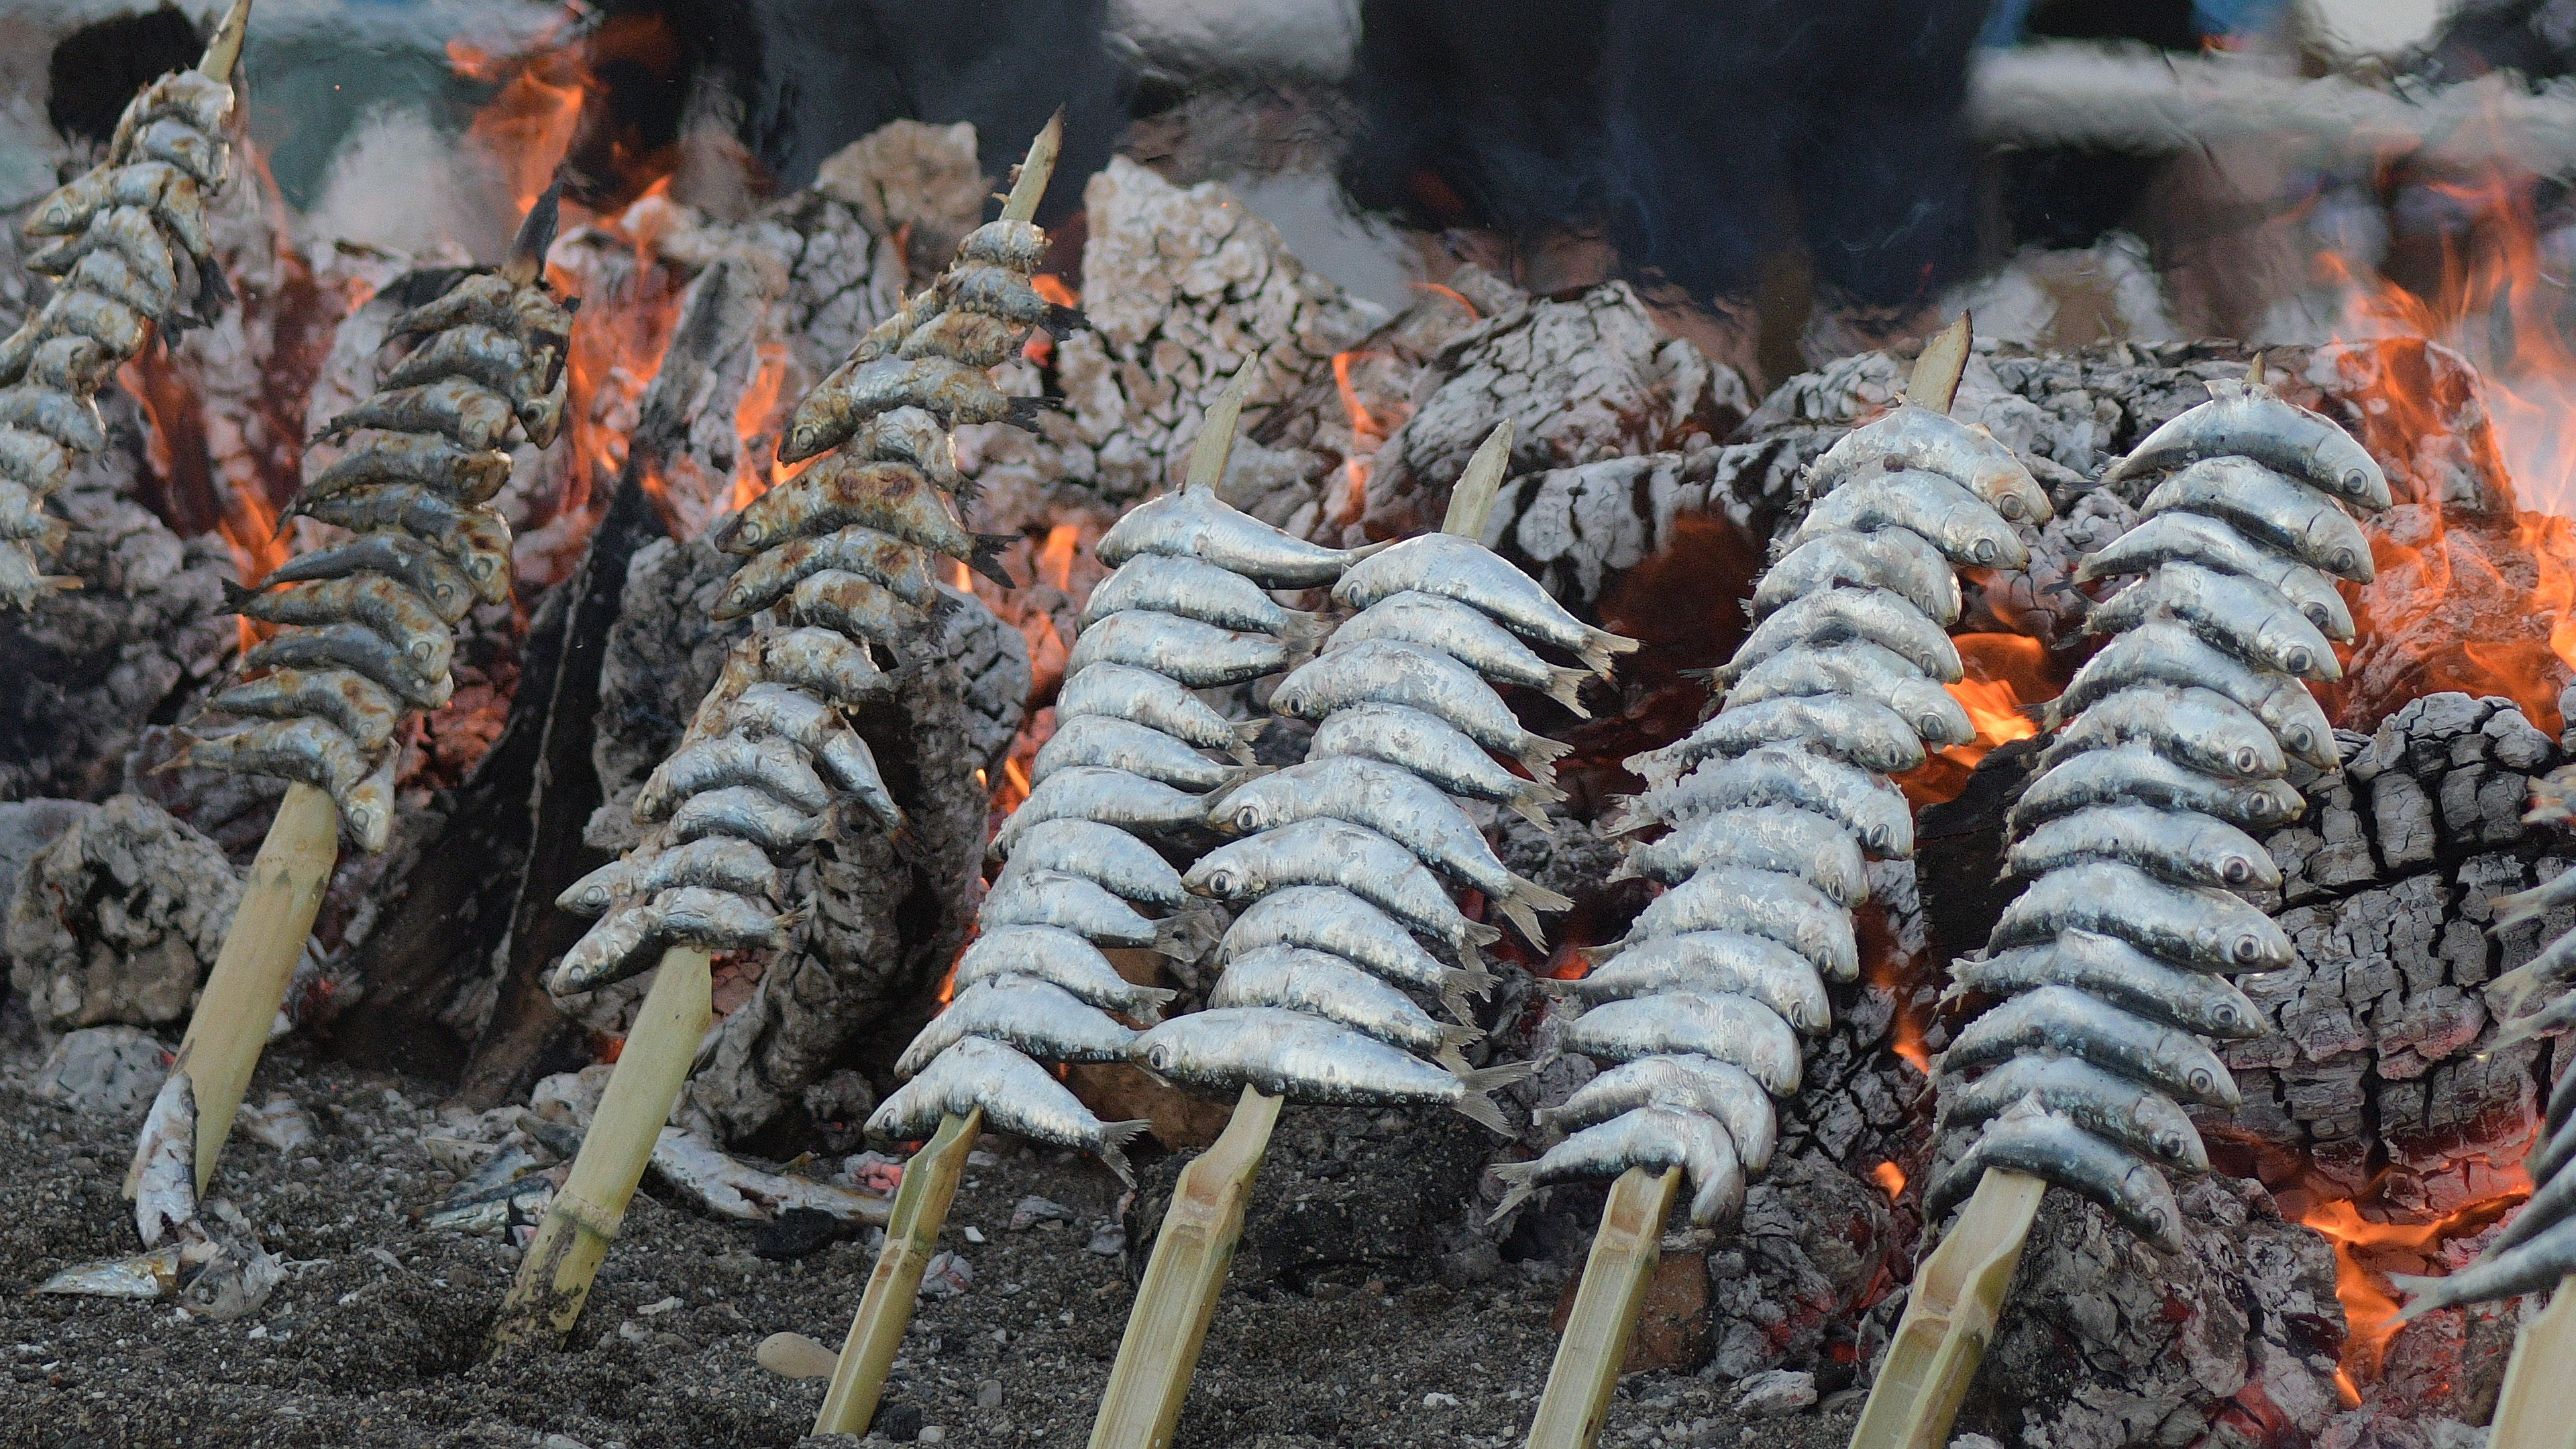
<point>2172,1146</point>
<point>2010,507</point>
<point>2297,660</point>
<point>1248,818</point>
<point>2247,760</point>
<point>2248,949</point>
<point>2237,871</point>
<point>2356,480</point>
<point>1984,551</point>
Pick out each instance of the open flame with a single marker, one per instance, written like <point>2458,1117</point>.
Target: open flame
<point>2005,672</point>
<point>1369,428</point>
<point>2365,1253</point>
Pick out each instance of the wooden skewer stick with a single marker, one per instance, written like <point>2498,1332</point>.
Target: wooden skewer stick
<point>1588,1358</point>
<point>1949,1318</point>
<point>233,1017</point>
<point>1174,1305</point>
<point>1958,1292</point>
<point>1029,183</point>
<point>2531,1412</point>
<point>885,1309</point>
<point>554,1277</point>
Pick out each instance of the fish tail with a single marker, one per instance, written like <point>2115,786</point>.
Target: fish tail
<point>1529,809</point>
<point>1295,652</point>
<point>235,596</point>
<point>1517,1175</point>
<point>1153,999</point>
<point>1474,981</point>
<point>1538,896</point>
<point>1236,778</point>
<point>1595,955</point>
<point>985,558</point>
<point>1478,934</point>
<point>1565,687</point>
<point>1245,733</point>
<point>1456,1005</point>
<point>1114,1137</point>
<point>1541,754</point>
<point>1627,816</point>
<point>1464,1034</point>
<point>1305,625</point>
<point>1626,869</point>
<point>1481,1080</point>
<point>1599,645</point>
<point>1022,412</point>
<point>1062,319</point>
<point>1553,987</point>
<point>1184,937</point>
<point>788,921</point>
<point>1480,1109</point>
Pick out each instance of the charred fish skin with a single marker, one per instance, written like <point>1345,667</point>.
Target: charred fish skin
<point>130,245</point>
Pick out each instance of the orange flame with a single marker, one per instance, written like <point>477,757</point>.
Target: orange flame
<point>1434,289</point>
<point>1055,557</point>
<point>1367,431</point>
<point>2473,593</point>
<point>1890,1179</point>
<point>2004,672</point>
<point>2365,1252</point>
<point>528,126</point>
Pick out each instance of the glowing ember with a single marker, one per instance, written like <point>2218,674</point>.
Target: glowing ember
<point>2366,1252</point>
<point>1890,1179</point>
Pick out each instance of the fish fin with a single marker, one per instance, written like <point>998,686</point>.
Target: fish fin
<point>1456,1005</point>
<point>1464,1034</point>
<point>1479,1108</point>
<point>1538,897</point>
<point>1540,754</point>
<point>1564,686</point>
<point>1114,1137</point>
<point>1626,869</point>
<point>1062,319</point>
<point>1150,1013</point>
<point>1186,936</point>
<point>1480,934</point>
<point>1554,988</point>
<point>1595,955</point>
<point>1246,732</point>
<point>1599,645</point>
<point>1304,625</point>
<point>986,557</point>
<point>1475,981</point>
<point>1518,1175</point>
<point>2425,1295</point>
<point>1236,777</point>
<point>1022,412</point>
<point>788,921</point>
<point>1530,806</point>
<point>235,595</point>
<point>1295,653</point>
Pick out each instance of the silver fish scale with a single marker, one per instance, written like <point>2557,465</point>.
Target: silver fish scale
<point>746,770</point>
<point>377,617</point>
<point>1834,706</point>
<point>1183,613</point>
<point>2079,953</point>
<point>142,220</point>
<point>1411,801</point>
<point>2534,1250</point>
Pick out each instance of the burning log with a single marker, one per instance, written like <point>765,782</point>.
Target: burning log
<point>842,553</point>
<point>1580,381</point>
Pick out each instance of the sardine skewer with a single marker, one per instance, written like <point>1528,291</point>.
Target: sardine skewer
<point>2190,712</point>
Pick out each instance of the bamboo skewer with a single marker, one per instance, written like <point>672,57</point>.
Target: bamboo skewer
<point>1958,1292</point>
<point>885,1309</point>
<point>554,1278</point>
<point>1625,1246</point>
<point>1613,1291</point>
<point>1177,1300</point>
<point>2531,1412</point>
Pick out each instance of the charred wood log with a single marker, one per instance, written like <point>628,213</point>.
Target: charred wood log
<point>118,920</point>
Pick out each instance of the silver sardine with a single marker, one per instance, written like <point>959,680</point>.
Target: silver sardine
<point>1382,671</point>
<point>1151,700</point>
<point>1196,590</point>
<point>2166,651</point>
<point>2137,775</point>
<point>1779,907</point>
<point>1730,1028</point>
<point>1779,838</point>
<point>2051,1147</point>
<point>1963,526</point>
<point>1898,560</point>
<point>1322,984</point>
<point>1835,615</point>
<point>1308,1059</point>
<point>1909,436</point>
<point>2196,538</point>
<point>1657,1138</point>
<point>1866,805</point>
<point>1858,731</point>
<point>1327,918</point>
<point>2251,422</point>
<point>1106,742</point>
<point>1433,749</point>
<point>2063,1019</point>
<point>770,763</point>
<point>1864,669</point>
<point>1104,854</point>
<point>1709,963</point>
<point>1018,1096</point>
<point>1691,1082</point>
<point>1463,569</point>
<point>1053,954</point>
<point>1201,656</point>
<point>1332,853</point>
<point>1038,1018</point>
<point>2245,617</point>
<point>2272,509</point>
<point>1112,797</point>
<point>1465,634</point>
<point>2107,1105</point>
<point>1196,524</point>
<point>2182,847</point>
<point>2210,930</point>
<point>2197,727</point>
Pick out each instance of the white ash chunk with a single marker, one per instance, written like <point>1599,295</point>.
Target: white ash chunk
<point>1183,285</point>
<point>1581,380</point>
<point>119,919</point>
<point>103,1071</point>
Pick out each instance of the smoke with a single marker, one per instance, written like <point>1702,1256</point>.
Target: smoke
<point>398,185</point>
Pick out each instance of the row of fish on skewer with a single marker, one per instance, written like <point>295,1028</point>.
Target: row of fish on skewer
<point>1117,795</point>
<point>2108,973</point>
<point>1771,806</point>
<point>2537,1249</point>
<point>837,565</point>
<point>365,627</point>
<point>127,250</point>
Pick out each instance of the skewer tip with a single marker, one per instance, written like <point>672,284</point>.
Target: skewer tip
<point>223,49</point>
<point>535,237</point>
<point>1935,383</point>
<point>1216,435</point>
<point>1473,497</point>
<point>1030,182</point>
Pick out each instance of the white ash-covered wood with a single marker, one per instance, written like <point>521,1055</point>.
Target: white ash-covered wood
<point>2107,1342</point>
<point>1582,379</point>
<point>887,916</point>
<point>119,918</point>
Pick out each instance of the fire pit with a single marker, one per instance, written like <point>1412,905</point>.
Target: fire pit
<point>1341,215</point>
